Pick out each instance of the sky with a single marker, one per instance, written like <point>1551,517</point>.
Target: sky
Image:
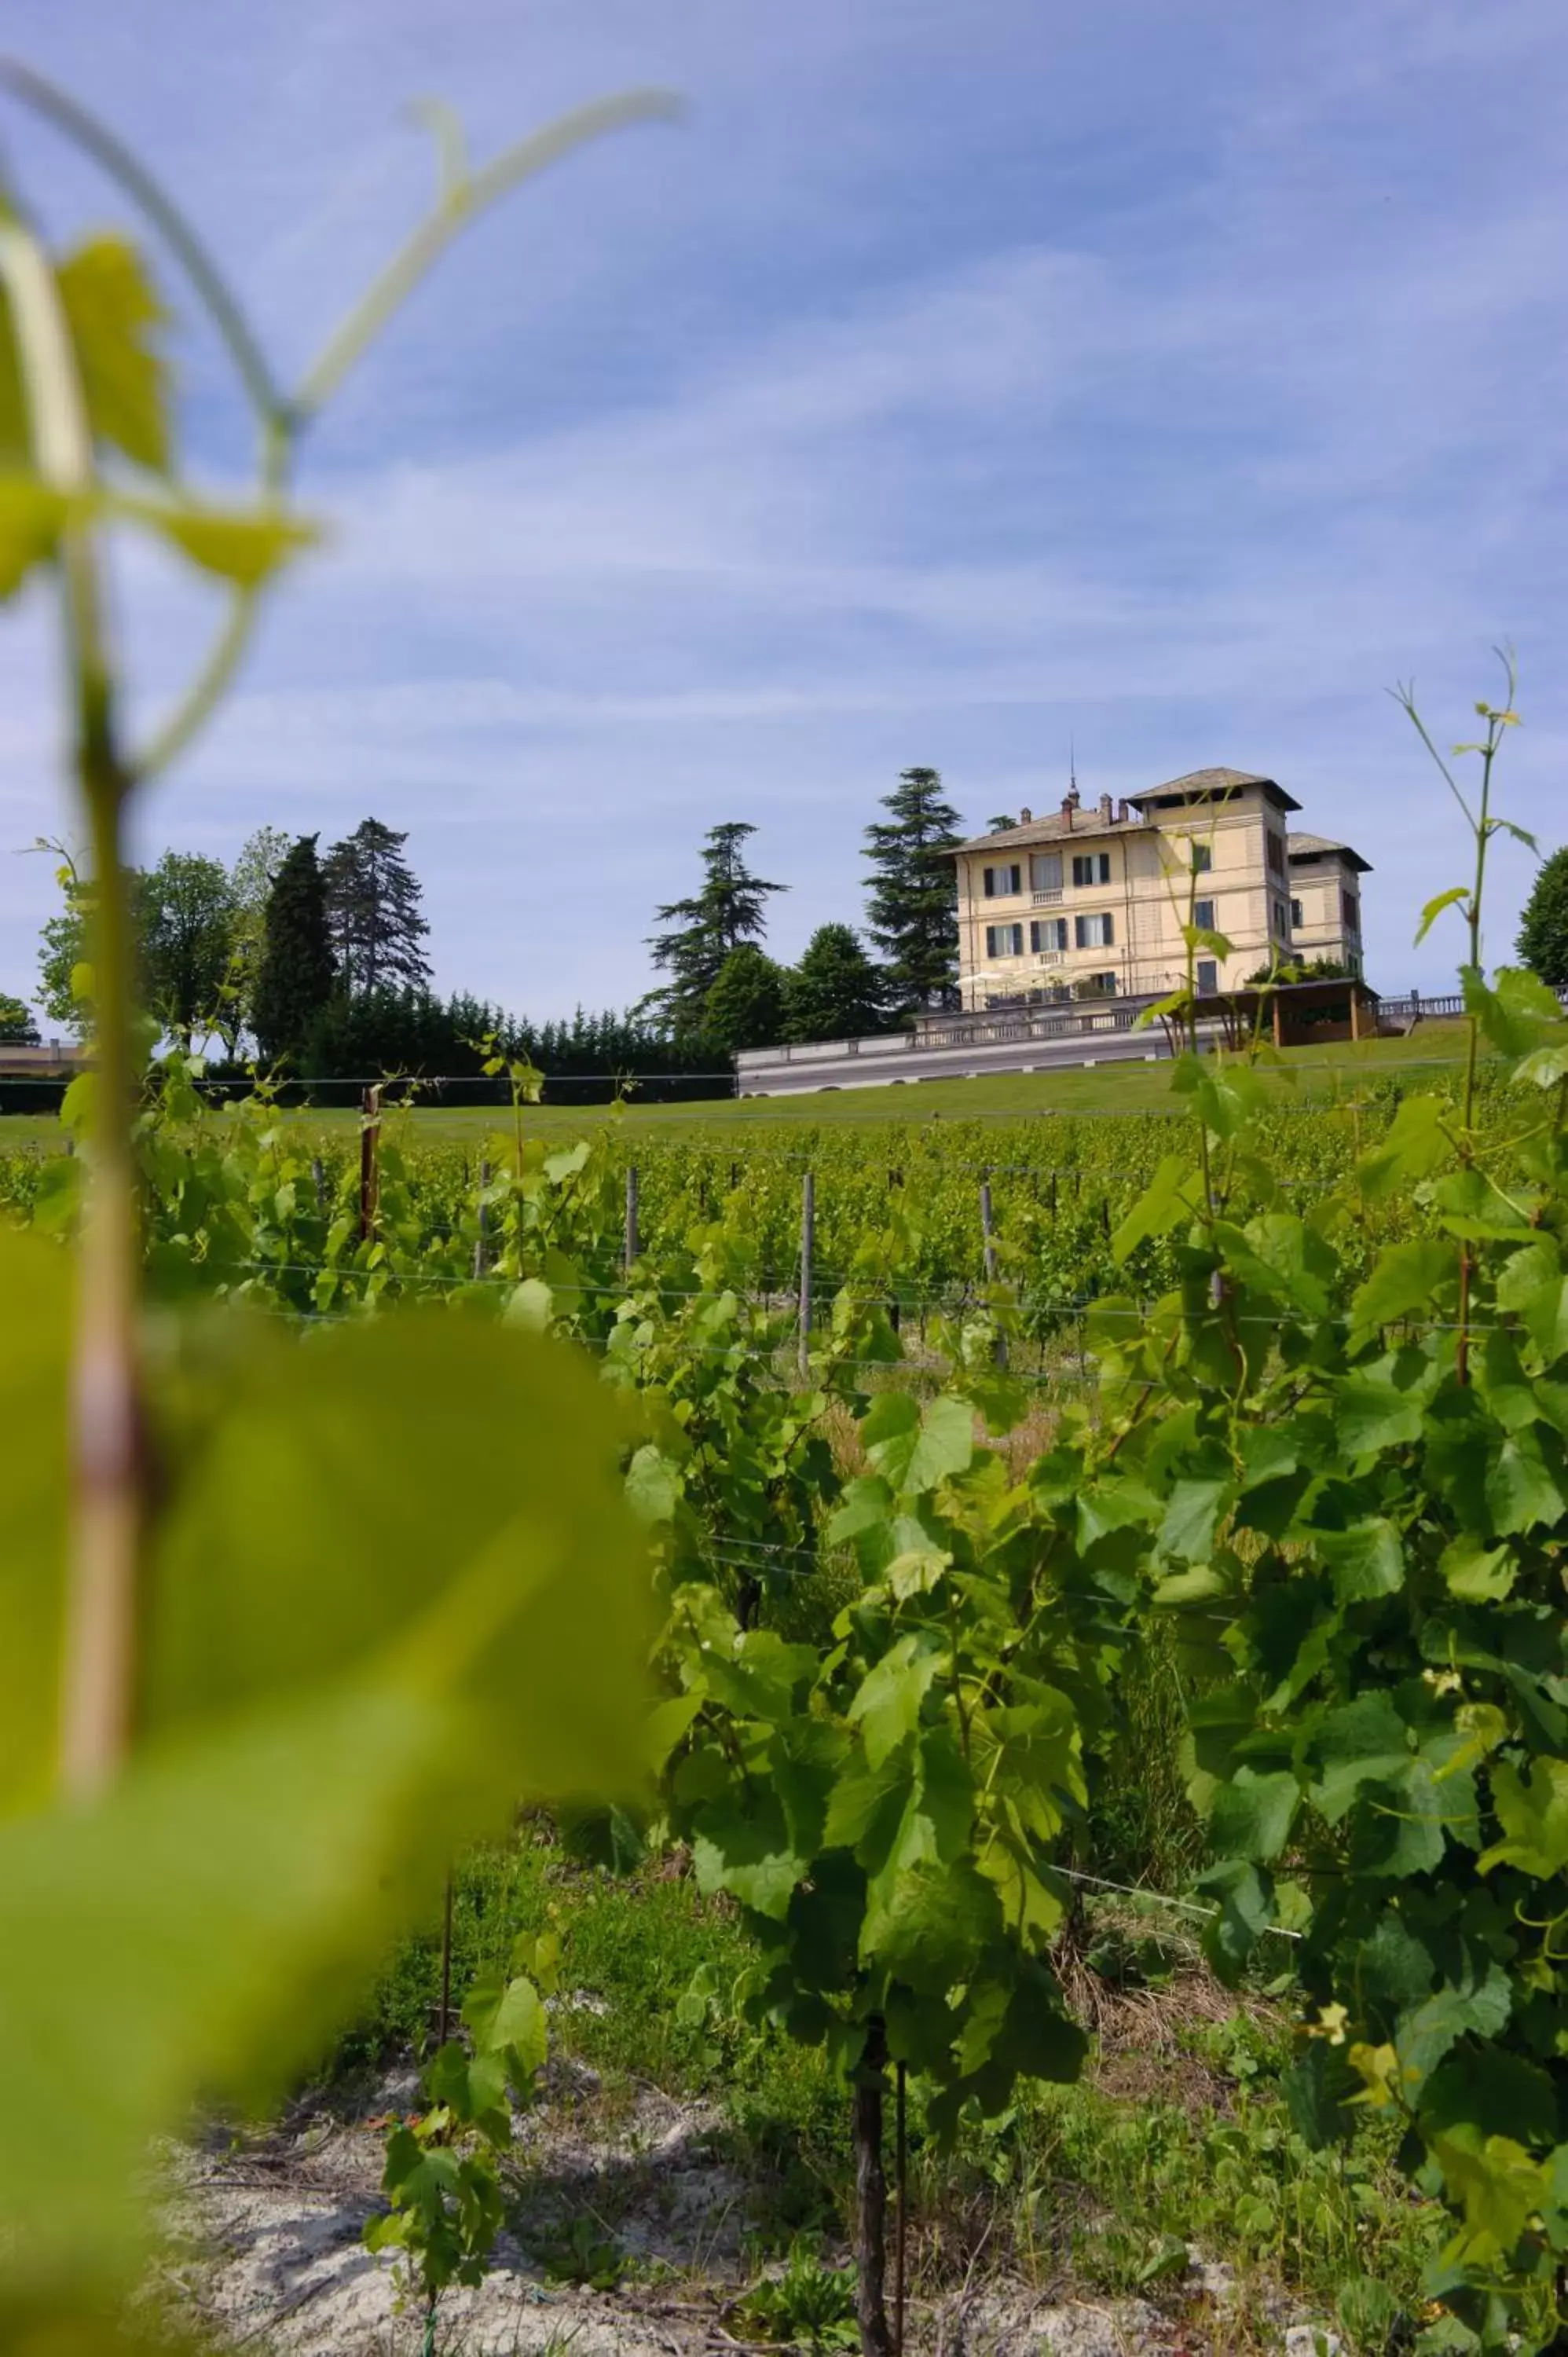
<point>949,384</point>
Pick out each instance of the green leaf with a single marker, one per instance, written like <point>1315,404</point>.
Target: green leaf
<point>1433,909</point>
<point>35,1288</point>
<point>1521,1490</point>
<point>32,517</point>
<point>1478,1574</point>
<point>114,312</point>
<point>1513,1012</point>
<point>1498,2184</point>
<point>204,1928</point>
<point>917,1452</point>
<point>1253,1815</point>
<point>508,2017</point>
<point>1373,1413</point>
<point>1186,1532</point>
<point>748,1855</point>
<point>296,1479</point>
<point>1532,1810</point>
<point>1366,1560</point>
<point>1245,1909</point>
<point>1416,1144</point>
<point>1172,1196</point>
<point>886,1704</point>
<point>1404,1280</point>
<point>237,547</point>
<point>1364,1742</point>
<point>653,1485</point>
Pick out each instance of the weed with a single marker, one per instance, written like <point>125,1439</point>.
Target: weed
<point>807,2305</point>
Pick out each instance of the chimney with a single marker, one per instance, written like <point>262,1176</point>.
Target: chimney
<point>1105,810</point>
<point>1122,814</point>
<point>1070,803</point>
<point>1024,815</point>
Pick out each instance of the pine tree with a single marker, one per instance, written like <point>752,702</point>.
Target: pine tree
<point>728,910</point>
<point>1543,943</point>
<point>373,911</point>
<point>745,1005</point>
<point>912,900</point>
<point>295,978</point>
<point>835,992</point>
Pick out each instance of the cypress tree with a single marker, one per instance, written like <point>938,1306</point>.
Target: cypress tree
<point>912,900</point>
<point>296,976</point>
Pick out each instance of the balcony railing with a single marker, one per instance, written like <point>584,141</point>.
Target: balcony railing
<point>1046,899</point>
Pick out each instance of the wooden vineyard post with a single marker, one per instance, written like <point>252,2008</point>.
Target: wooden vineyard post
<point>871,2195</point>
<point>370,1180</point>
<point>901,2208</point>
<point>807,1243</point>
<point>989,1237</point>
<point>318,1174</point>
<point>632,1243</point>
<point>482,1238</point>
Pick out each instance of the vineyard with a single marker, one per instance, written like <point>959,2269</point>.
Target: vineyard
<point>844,1729</point>
<point>959,1470</point>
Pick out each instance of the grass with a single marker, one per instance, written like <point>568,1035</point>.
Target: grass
<point>1316,1072</point>
<point>1179,2135</point>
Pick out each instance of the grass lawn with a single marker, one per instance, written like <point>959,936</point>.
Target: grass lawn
<point>1326,1073</point>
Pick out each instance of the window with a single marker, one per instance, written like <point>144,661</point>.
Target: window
<point>1282,920</point>
<point>1274,851</point>
<point>1093,932</point>
<point>1106,983</point>
<point>1203,915</point>
<point>1048,933</point>
<point>1350,912</point>
<point>1202,858</point>
<point>1296,917</point>
<point>1208,977</point>
<point>1004,941</point>
<point>1091,868</point>
<point>1046,871</point>
<point>1000,882</point>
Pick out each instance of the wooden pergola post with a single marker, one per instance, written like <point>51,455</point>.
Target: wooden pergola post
<point>1355,1010</point>
<point>1279,1021</point>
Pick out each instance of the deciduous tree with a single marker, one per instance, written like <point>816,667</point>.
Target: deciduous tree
<point>17,1029</point>
<point>188,940</point>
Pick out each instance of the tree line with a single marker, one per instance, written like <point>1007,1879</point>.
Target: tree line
<point>317,959</point>
<point>724,991</point>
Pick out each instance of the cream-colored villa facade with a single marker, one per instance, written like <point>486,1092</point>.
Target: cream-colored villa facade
<point>1326,899</point>
<point>1094,898</point>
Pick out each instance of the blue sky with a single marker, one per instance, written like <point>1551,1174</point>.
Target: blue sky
<point>1170,372</point>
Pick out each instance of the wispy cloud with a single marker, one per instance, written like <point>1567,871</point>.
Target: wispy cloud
<point>1187,418</point>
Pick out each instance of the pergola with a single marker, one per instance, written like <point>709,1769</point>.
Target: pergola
<point>1281,1011</point>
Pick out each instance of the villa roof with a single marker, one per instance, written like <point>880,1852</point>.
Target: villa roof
<point>1202,785</point>
<point>1313,846</point>
<point>1092,819</point>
